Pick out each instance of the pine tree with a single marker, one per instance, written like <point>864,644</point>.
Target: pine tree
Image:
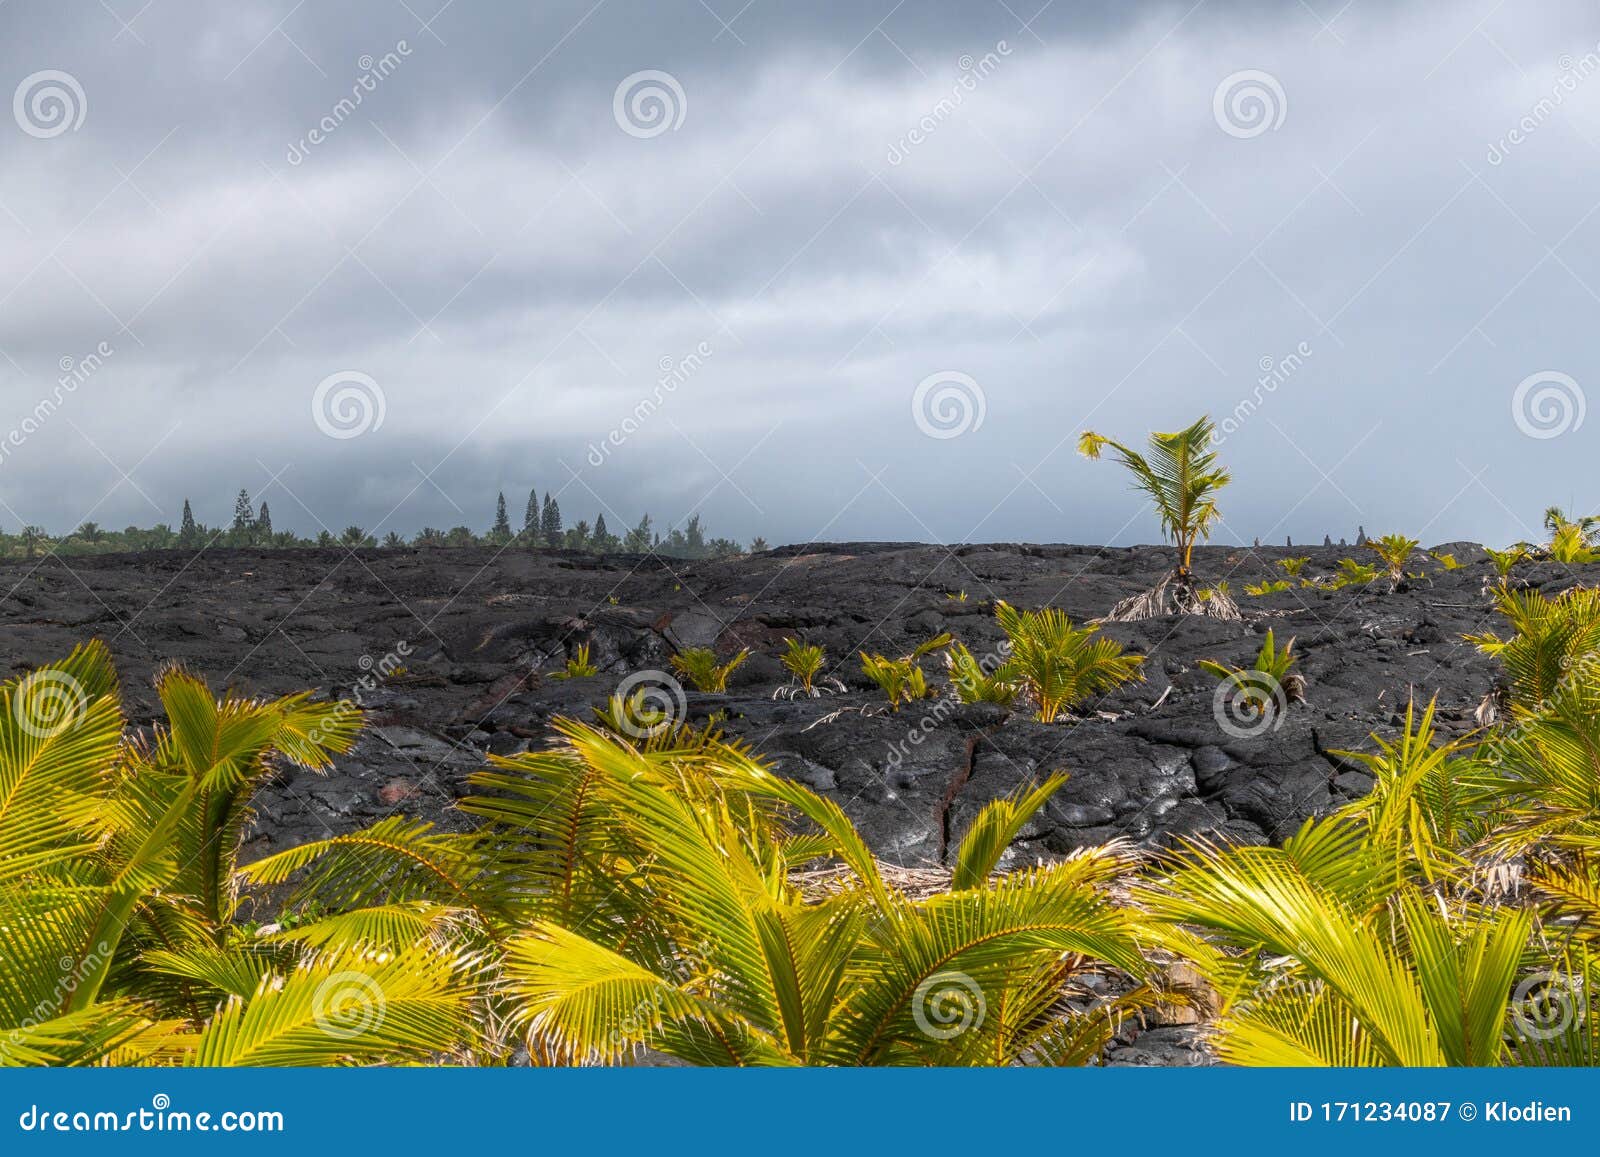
<point>244,518</point>
<point>640,538</point>
<point>694,537</point>
<point>188,533</point>
<point>602,540</point>
<point>530,519</point>
<point>264,525</point>
<point>502,524</point>
<point>550,522</point>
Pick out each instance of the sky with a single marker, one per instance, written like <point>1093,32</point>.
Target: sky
<point>821,271</point>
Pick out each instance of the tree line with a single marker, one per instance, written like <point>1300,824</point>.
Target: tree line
<point>541,528</point>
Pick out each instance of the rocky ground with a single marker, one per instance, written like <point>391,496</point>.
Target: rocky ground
<point>476,634</point>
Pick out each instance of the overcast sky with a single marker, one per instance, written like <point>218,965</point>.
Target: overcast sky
<point>898,255</point>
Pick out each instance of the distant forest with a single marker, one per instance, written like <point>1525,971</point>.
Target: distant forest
<point>541,527</point>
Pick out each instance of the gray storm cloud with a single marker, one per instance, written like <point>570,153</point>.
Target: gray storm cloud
<point>1364,238</point>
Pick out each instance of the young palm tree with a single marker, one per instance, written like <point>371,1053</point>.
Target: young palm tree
<point>1329,964</point>
<point>659,908</point>
<point>119,901</point>
<point>1181,475</point>
<point>1056,664</point>
<point>705,948</point>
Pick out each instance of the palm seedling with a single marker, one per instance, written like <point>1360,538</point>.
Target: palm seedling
<point>1057,665</point>
<point>1394,550</point>
<point>1293,566</point>
<point>1553,641</point>
<point>1265,688</point>
<point>1446,560</point>
<point>1271,587</point>
<point>1504,561</point>
<point>1181,475</point>
<point>975,680</point>
<point>1353,573</point>
<point>1588,527</point>
<point>903,680</point>
<point>578,665</point>
<point>804,662</point>
<point>699,665</point>
<point>1569,544</point>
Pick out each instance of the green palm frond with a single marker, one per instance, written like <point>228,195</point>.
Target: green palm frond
<point>1428,798</point>
<point>1058,665</point>
<point>109,1033</point>
<point>992,832</point>
<point>346,1009</point>
<point>1181,475</point>
<point>1554,641</point>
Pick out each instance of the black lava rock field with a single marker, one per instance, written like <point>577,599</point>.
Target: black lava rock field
<point>451,653</point>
